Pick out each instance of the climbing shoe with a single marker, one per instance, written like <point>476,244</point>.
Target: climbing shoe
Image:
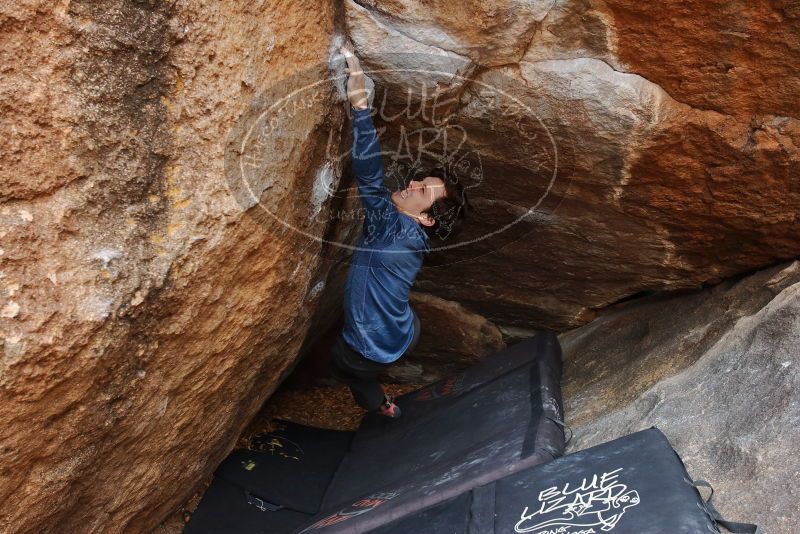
<point>389,408</point>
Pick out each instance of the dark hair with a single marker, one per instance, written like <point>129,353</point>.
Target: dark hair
<point>449,211</point>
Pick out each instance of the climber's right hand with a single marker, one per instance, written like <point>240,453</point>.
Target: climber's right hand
<point>356,86</point>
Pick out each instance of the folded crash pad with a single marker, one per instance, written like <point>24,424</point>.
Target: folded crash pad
<point>631,485</point>
<point>284,472</point>
<point>492,420</point>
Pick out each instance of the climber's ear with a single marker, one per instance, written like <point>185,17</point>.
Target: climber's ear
<point>425,220</point>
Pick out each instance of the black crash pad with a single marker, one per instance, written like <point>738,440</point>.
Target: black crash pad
<point>278,455</point>
<point>631,485</point>
<point>494,419</point>
<point>293,465</point>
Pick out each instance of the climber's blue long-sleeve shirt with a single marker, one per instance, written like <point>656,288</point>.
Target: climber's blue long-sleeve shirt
<point>378,319</point>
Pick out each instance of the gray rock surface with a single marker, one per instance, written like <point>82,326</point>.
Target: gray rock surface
<point>717,371</point>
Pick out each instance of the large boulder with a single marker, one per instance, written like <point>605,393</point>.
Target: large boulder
<point>596,173</point>
<point>147,312</point>
<point>717,371</point>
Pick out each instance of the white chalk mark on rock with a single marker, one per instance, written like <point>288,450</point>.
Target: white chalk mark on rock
<point>10,310</point>
<point>324,186</point>
<point>106,255</point>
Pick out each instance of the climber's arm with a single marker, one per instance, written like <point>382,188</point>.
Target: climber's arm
<point>367,162</point>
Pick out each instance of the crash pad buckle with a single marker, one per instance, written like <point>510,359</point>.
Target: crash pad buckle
<point>261,504</point>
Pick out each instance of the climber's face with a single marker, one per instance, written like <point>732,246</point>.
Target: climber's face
<point>418,197</point>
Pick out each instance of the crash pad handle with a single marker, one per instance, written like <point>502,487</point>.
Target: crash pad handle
<point>730,526</point>
<point>700,483</point>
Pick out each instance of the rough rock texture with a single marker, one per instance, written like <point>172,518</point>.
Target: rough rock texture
<point>717,371</point>
<point>413,75</point>
<point>736,57</point>
<point>610,183</point>
<point>152,295</point>
<point>451,340</point>
<point>489,33</point>
<point>146,315</point>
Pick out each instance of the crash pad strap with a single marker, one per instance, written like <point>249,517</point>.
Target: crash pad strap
<point>481,514</point>
<point>260,503</point>
<point>564,427</point>
<point>731,526</point>
<point>253,499</point>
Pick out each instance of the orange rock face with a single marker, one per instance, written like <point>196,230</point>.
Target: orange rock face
<point>736,57</point>
<point>146,314</point>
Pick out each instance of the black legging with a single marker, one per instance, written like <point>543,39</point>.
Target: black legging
<point>360,374</point>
